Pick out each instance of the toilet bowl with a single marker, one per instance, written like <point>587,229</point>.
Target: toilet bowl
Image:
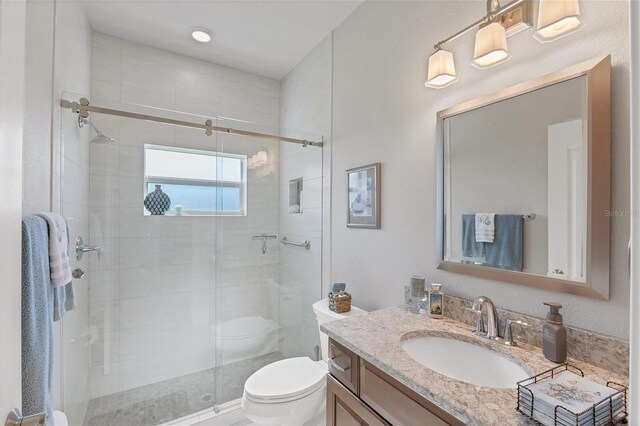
<point>245,337</point>
<point>293,391</point>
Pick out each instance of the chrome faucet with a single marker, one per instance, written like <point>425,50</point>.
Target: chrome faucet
<point>492,315</point>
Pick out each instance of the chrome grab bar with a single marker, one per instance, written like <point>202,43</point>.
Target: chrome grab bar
<point>264,238</point>
<point>286,242</point>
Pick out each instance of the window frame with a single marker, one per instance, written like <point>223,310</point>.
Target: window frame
<point>242,185</point>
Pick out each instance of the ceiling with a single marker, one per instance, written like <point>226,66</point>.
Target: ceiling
<point>264,37</point>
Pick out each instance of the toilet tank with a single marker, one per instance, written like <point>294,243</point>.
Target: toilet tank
<point>324,314</point>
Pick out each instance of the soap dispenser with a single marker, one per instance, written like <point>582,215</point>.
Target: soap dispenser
<point>554,335</point>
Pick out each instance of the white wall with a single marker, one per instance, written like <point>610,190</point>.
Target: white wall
<point>382,112</point>
<point>12,114</point>
<point>305,104</point>
<point>165,283</point>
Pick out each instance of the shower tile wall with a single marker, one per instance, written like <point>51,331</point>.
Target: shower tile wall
<point>153,294</point>
<point>305,103</point>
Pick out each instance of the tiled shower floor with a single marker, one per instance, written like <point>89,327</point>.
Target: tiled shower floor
<point>174,398</point>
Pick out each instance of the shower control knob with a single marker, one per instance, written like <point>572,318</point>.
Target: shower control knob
<point>77,273</point>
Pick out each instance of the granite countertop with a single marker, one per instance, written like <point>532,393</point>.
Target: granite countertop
<point>377,337</point>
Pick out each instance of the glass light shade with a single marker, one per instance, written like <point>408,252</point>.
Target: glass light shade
<point>491,46</point>
<point>442,70</point>
<point>556,19</point>
<point>261,158</point>
<point>250,163</point>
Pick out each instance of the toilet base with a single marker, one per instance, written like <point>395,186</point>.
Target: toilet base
<point>308,410</point>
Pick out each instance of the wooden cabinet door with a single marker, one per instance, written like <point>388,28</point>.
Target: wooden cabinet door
<point>397,403</point>
<point>344,409</point>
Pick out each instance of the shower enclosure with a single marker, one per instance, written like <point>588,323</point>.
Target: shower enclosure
<point>192,288</point>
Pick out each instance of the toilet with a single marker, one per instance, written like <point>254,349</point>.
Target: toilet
<point>60,419</point>
<point>245,337</point>
<point>293,391</point>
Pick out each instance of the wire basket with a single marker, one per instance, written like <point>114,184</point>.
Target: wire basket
<point>340,302</point>
<point>608,411</point>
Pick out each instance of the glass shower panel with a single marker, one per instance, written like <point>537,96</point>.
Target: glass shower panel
<point>194,293</point>
<point>75,333</point>
<point>151,294</point>
<point>257,274</point>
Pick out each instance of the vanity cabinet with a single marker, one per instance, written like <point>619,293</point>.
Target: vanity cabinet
<point>358,393</point>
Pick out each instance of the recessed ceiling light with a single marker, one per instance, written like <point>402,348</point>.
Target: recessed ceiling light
<point>203,36</point>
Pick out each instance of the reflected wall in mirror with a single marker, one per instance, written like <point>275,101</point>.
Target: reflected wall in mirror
<point>524,183</point>
<point>295,195</point>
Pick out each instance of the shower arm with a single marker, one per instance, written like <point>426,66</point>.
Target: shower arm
<point>82,121</point>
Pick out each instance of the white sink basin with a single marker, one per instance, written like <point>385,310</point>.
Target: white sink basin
<point>465,361</point>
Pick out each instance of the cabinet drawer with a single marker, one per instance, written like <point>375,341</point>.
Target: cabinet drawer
<point>343,365</point>
<point>345,409</point>
<point>398,404</point>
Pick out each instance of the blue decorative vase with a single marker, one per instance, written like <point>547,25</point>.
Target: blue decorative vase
<point>157,202</point>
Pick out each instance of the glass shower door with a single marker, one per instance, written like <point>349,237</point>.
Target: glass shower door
<point>257,275</point>
<point>149,313</point>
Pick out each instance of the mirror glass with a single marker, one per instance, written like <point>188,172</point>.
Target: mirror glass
<point>515,183</point>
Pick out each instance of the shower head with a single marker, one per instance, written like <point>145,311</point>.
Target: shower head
<point>100,137</point>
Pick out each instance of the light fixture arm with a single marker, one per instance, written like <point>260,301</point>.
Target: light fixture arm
<point>490,5</point>
<point>491,15</point>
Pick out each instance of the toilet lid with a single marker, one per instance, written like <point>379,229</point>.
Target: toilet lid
<point>242,328</point>
<point>285,380</point>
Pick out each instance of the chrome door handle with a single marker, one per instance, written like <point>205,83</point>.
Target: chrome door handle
<point>82,248</point>
<point>336,366</point>
<point>15,419</point>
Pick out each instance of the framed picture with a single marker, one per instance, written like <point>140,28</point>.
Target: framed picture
<point>363,197</point>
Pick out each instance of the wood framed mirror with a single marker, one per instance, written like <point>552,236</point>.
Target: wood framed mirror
<point>524,183</point>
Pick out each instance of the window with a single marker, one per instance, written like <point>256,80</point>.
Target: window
<point>201,182</point>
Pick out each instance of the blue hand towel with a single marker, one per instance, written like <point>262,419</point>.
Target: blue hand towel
<point>37,318</point>
<point>470,247</point>
<point>506,250</point>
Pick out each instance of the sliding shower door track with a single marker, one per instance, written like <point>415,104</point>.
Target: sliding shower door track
<point>83,108</point>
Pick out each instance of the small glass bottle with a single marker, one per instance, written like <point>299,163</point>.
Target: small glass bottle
<point>436,301</point>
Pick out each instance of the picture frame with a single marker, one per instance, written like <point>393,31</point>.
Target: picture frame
<point>363,196</point>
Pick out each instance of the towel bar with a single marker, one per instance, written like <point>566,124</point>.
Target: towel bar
<point>286,242</point>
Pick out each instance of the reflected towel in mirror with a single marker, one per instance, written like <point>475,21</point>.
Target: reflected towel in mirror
<point>485,227</point>
<point>506,250</point>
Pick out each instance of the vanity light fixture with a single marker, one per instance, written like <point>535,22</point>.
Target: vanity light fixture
<point>441,70</point>
<point>556,18</point>
<point>201,35</point>
<point>261,158</point>
<point>491,46</point>
<point>258,159</point>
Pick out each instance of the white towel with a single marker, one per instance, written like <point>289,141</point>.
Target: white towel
<point>58,249</point>
<point>485,227</point>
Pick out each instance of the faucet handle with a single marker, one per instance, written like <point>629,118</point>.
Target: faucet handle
<point>508,334</point>
<point>480,328</point>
